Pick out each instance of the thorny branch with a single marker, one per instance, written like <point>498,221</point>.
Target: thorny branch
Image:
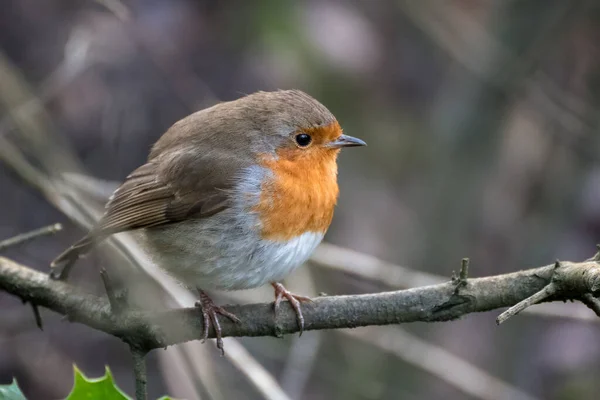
<point>146,330</point>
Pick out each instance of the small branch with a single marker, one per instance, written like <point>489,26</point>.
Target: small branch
<point>28,236</point>
<point>118,303</point>
<point>464,270</point>
<point>570,280</point>
<point>110,293</point>
<point>536,298</point>
<point>461,280</point>
<point>591,302</point>
<point>595,257</point>
<point>139,369</point>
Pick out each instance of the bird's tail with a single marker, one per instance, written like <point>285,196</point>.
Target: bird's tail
<point>61,266</point>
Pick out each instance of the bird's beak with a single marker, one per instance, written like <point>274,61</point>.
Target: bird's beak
<point>346,141</point>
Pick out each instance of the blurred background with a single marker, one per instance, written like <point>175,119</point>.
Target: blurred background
<point>482,123</point>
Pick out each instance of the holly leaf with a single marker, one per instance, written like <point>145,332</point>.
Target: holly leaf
<point>11,392</point>
<point>96,388</point>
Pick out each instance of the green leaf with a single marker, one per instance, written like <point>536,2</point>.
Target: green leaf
<point>11,392</point>
<point>100,388</point>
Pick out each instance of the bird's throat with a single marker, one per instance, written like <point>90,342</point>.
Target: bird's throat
<point>299,197</point>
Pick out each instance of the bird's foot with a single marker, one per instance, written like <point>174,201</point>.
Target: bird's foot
<point>209,315</point>
<point>294,299</point>
<point>60,271</point>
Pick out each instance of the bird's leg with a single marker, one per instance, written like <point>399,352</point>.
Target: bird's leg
<point>209,315</point>
<point>61,272</point>
<point>294,299</point>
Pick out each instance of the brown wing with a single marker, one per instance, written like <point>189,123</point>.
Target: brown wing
<point>145,200</point>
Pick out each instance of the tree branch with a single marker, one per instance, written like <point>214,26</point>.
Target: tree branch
<point>146,330</point>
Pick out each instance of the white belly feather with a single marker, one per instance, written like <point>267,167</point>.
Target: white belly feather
<point>226,261</point>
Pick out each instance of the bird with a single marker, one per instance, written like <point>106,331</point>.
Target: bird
<point>231,197</point>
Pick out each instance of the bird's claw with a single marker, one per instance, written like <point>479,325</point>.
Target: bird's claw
<point>295,301</point>
<point>209,316</point>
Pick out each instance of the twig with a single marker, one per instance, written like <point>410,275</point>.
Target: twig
<point>549,290</point>
<point>117,303</point>
<point>595,257</point>
<point>536,298</point>
<point>139,370</point>
<point>28,236</point>
<point>571,280</point>
<point>108,288</point>
<point>592,302</point>
<point>464,270</point>
<point>461,280</point>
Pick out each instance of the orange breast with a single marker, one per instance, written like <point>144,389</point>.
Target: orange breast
<point>301,196</point>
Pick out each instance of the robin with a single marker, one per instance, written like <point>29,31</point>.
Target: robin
<point>232,197</point>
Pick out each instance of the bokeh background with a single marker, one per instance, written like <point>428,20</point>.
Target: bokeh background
<point>482,123</point>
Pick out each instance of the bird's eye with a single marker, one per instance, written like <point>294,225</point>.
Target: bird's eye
<point>303,139</point>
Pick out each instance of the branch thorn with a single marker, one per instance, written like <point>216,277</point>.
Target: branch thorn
<point>461,279</point>
<point>117,302</point>
<point>37,316</point>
